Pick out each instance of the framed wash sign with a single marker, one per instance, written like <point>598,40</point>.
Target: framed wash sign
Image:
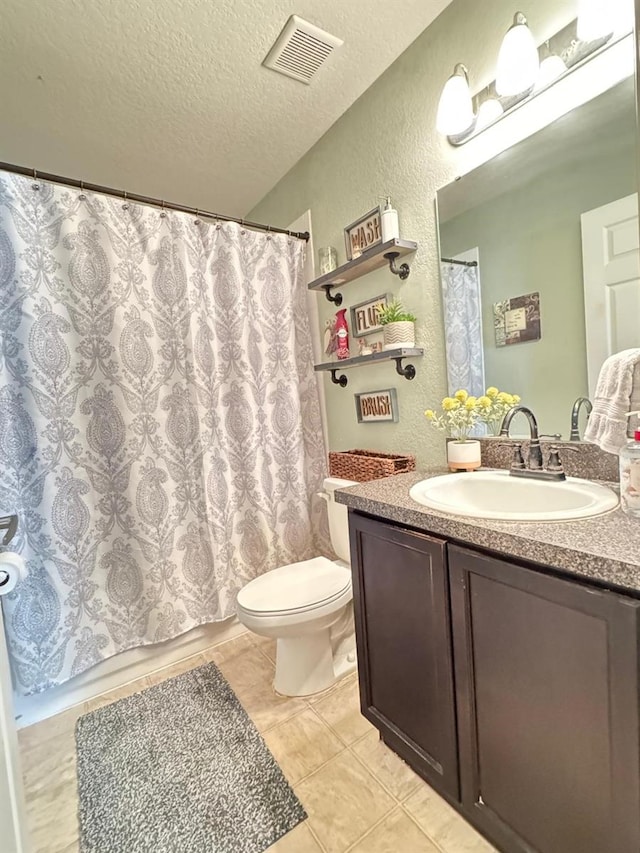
<point>377,407</point>
<point>364,315</point>
<point>363,234</point>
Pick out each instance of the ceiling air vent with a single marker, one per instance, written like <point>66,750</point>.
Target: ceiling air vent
<point>300,50</point>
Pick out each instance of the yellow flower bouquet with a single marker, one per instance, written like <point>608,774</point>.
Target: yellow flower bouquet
<point>493,406</point>
<point>462,412</point>
<point>459,415</point>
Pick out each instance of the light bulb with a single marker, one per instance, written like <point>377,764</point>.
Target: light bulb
<point>595,19</point>
<point>518,62</point>
<point>489,111</point>
<point>455,108</point>
<point>550,69</point>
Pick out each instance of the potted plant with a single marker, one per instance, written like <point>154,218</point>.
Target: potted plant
<point>398,325</point>
<point>458,417</point>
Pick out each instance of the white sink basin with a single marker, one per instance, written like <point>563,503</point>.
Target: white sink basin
<point>496,494</point>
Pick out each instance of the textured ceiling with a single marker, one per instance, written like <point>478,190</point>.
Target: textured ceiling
<point>169,97</point>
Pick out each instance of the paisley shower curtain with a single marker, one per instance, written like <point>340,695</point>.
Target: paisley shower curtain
<point>160,434</point>
<point>463,327</point>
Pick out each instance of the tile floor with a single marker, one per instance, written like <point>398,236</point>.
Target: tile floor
<point>359,796</point>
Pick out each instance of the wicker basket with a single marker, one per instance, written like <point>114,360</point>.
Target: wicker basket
<point>364,465</point>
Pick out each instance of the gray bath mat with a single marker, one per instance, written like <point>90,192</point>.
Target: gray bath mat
<point>179,768</point>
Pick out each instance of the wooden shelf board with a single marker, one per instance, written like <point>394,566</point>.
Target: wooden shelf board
<point>374,358</point>
<point>368,261</point>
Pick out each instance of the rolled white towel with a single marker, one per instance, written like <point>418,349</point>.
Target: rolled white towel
<point>617,394</point>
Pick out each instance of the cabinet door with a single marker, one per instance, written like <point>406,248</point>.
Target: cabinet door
<point>403,634</point>
<point>547,690</point>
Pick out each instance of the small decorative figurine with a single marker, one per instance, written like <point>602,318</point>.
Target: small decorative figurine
<point>363,347</point>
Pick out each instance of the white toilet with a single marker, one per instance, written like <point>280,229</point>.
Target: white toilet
<point>307,608</point>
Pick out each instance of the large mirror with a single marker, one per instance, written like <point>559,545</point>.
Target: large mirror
<point>540,270</point>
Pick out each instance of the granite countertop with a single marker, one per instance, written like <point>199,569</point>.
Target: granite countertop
<point>605,548</point>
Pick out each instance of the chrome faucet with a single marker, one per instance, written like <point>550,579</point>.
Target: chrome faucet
<point>575,411</point>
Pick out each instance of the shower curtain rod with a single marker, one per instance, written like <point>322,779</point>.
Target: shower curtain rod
<point>143,199</point>
<point>462,263</point>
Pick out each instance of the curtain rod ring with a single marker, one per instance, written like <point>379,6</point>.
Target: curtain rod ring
<point>163,212</point>
<point>125,206</point>
<point>82,196</point>
<point>35,186</point>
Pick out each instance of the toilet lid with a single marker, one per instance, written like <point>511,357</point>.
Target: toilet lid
<point>297,586</point>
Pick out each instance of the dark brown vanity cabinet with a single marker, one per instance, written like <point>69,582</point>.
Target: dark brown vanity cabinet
<point>545,685</point>
<point>403,633</point>
<point>547,692</point>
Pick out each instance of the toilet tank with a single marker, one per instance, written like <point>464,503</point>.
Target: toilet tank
<point>338,517</point>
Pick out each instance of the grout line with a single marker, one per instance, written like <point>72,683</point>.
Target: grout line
<point>330,727</point>
<point>318,768</point>
<point>423,830</point>
<point>371,828</point>
<point>314,836</point>
<point>378,780</point>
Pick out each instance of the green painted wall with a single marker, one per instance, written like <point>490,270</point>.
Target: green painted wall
<point>529,239</point>
<point>387,143</point>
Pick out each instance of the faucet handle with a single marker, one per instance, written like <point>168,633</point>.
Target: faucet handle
<point>518,460</point>
<point>555,463</point>
<point>556,436</point>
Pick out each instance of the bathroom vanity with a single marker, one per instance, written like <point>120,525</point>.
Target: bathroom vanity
<point>500,660</point>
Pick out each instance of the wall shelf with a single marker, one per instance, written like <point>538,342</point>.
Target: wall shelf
<point>397,355</point>
<point>373,259</point>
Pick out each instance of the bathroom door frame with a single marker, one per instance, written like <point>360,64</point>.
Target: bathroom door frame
<point>611,280</point>
<point>301,224</point>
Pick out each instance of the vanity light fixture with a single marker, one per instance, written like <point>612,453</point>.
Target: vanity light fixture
<point>455,108</point>
<point>488,112</point>
<point>462,116</point>
<point>551,67</point>
<point>518,61</point>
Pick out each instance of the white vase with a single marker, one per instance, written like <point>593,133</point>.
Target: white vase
<point>463,455</point>
<point>399,334</point>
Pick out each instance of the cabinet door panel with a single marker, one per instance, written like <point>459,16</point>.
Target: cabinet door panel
<point>547,680</point>
<point>404,644</point>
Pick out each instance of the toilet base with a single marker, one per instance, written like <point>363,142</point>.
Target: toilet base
<point>304,665</point>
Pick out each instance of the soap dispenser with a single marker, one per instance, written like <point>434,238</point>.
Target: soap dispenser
<point>389,222</point>
<point>630,474</point>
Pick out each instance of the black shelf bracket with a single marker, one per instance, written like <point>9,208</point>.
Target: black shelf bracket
<point>402,271</point>
<point>337,299</point>
<point>408,371</point>
<point>339,380</point>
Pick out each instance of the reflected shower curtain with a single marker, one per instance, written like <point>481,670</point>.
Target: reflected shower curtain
<point>160,432</point>
<point>463,328</point>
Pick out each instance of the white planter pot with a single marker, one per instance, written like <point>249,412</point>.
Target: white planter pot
<point>463,455</point>
<point>400,334</point>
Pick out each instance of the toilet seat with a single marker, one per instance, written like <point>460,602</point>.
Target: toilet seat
<point>296,588</point>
